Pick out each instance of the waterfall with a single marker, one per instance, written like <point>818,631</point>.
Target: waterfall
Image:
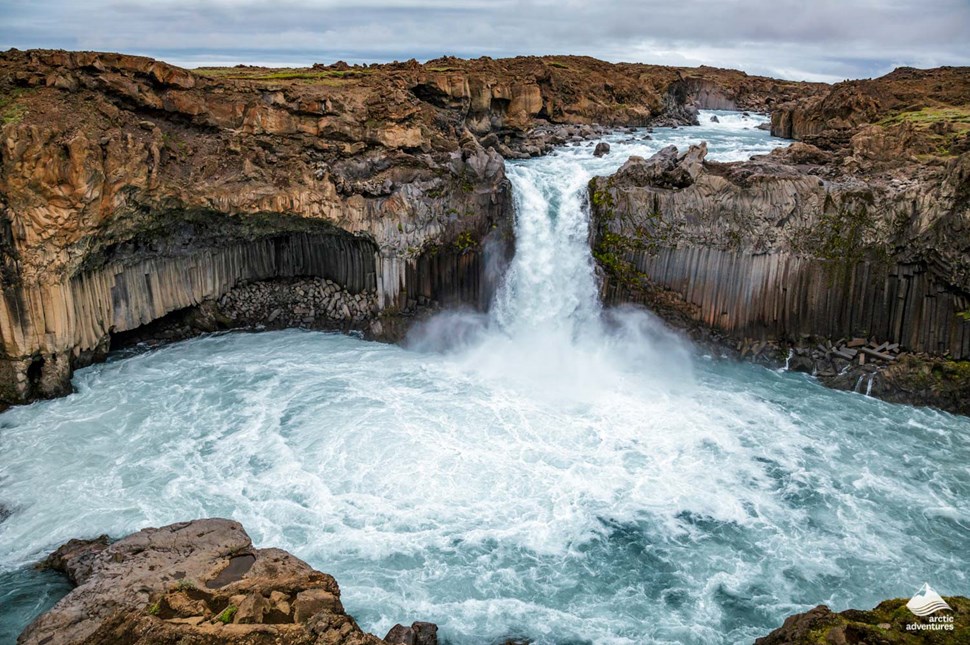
<point>551,282</point>
<point>476,479</point>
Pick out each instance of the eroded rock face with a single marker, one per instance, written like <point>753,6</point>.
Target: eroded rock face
<point>132,189</point>
<point>831,116</point>
<point>803,249</point>
<point>196,582</point>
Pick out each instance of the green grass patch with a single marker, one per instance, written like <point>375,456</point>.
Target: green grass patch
<point>958,116</point>
<point>11,110</point>
<point>943,127</point>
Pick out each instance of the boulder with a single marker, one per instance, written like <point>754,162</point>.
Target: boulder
<point>418,633</point>
<point>601,149</point>
<point>199,582</point>
<point>802,153</point>
<point>665,169</point>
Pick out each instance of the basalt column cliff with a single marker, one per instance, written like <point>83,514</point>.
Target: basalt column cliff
<point>848,252</point>
<point>132,191</point>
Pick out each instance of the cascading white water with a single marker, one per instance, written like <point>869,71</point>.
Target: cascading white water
<point>550,284</point>
<point>550,471</point>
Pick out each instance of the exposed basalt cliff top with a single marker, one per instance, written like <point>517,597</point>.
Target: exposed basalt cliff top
<point>390,105</point>
<point>571,88</point>
<point>555,88</point>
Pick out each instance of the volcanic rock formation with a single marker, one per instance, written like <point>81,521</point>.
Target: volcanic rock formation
<point>867,237</point>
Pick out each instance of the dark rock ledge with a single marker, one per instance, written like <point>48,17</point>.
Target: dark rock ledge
<point>198,583</point>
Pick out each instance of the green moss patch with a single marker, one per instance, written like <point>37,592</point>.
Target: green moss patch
<point>465,241</point>
<point>11,108</point>
<point>227,614</point>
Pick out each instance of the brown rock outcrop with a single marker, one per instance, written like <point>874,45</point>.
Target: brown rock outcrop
<point>137,189</point>
<point>831,117</point>
<point>196,582</point>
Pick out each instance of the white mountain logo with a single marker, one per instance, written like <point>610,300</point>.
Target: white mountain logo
<point>926,602</point>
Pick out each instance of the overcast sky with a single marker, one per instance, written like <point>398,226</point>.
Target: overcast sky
<point>824,40</point>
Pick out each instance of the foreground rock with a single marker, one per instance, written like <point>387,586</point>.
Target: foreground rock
<point>199,583</point>
<point>890,623</point>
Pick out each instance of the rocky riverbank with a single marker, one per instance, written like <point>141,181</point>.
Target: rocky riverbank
<point>199,582</point>
<point>295,303</point>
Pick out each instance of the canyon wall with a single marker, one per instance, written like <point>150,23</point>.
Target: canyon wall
<point>805,248</point>
<point>132,190</point>
<point>935,97</point>
<point>782,296</point>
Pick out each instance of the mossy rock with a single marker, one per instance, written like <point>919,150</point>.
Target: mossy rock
<point>940,382</point>
<point>889,623</point>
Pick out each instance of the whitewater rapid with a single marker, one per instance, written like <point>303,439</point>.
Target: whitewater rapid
<point>548,470</point>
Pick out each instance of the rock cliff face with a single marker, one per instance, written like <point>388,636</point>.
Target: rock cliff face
<point>199,583</point>
<point>807,249</point>
<point>131,190</point>
<point>922,97</point>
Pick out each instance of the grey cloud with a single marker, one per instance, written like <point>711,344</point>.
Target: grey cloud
<point>824,39</point>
